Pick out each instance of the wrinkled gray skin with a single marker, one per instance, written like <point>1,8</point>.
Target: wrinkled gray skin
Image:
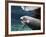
<point>31,22</point>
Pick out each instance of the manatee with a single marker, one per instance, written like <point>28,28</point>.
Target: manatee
<point>31,22</point>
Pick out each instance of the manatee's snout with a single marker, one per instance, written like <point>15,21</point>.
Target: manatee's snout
<point>24,19</point>
<point>21,18</point>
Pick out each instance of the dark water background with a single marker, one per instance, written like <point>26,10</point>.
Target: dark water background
<point>16,13</point>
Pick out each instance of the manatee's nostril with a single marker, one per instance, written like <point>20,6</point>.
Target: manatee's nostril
<point>21,20</point>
